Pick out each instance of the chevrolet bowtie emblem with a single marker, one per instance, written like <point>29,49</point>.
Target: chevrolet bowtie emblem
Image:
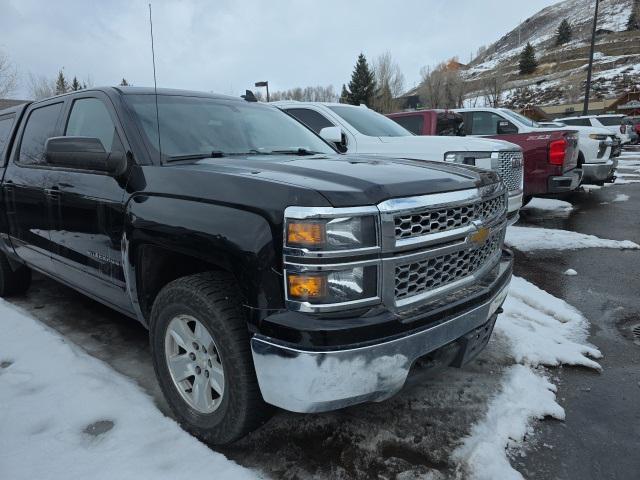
<point>480,236</point>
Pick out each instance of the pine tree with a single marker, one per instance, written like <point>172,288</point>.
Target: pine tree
<point>124,82</point>
<point>564,33</point>
<point>61,84</point>
<point>633,23</point>
<point>344,95</point>
<point>362,85</point>
<point>528,62</point>
<point>75,85</point>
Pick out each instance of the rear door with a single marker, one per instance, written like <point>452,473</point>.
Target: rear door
<point>413,123</point>
<point>28,211</point>
<point>88,206</point>
<point>7,122</point>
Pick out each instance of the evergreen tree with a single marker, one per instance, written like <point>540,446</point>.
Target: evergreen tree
<point>633,23</point>
<point>344,95</point>
<point>75,85</point>
<point>564,33</point>
<point>124,82</point>
<point>61,84</point>
<point>528,62</point>
<point>362,85</point>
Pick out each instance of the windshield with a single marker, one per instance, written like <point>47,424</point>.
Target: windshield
<point>370,123</point>
<point>198,126</point>
<point>521,118</point>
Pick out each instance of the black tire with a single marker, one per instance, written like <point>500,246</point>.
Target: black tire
<point>213,300</point>
<point>526,199</point>
<point>13,282</point>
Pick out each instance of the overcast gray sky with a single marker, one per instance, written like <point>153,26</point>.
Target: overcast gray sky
<point>224,46</point>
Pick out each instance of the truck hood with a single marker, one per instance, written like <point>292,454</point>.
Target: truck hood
<point>433,147</point>
<point>347,180</point>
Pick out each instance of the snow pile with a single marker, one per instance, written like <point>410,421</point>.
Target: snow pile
<point>570,272</point>
<point>67,415</point>
<point>621,197</point>
<point>535,238</point>
<point>541,330</point>
<point>549,204</point>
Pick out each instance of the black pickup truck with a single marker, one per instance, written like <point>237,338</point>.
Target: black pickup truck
<point>269,269</point>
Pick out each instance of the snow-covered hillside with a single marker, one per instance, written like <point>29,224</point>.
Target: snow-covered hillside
<point>561,71</point>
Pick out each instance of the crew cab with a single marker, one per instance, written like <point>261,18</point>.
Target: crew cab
<point>430,122</point>
<point>613,123</point>
<point>550,155</point>
<point>358,129</point>
<point>268,268</point>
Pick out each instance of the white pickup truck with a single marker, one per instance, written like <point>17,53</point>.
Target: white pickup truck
<point>595,144</point>
<point>358,129</point>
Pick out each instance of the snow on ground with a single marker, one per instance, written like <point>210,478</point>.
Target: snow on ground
<point>549,204</point>
<point>66,415</point>
<point>570,272</point>
<point>535,238</point>
<point>621,197</point>
<point>542,330</point>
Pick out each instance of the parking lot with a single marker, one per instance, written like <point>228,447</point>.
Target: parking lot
<point>416,432</point>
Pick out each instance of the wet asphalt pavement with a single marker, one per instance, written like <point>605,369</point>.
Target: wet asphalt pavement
<point>412,434</point>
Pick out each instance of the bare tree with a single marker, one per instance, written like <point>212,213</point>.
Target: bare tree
<point>442,86</point>
<point>41,87</point>
<point>390,83</point>
<point>493,88</point>
<point>8,76</point>
<point>307,94</point>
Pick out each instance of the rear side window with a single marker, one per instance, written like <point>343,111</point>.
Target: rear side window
<point>41,125</point>
<point>610,121</point>
<point>90,118</point>
<point>413,123</point>
<point>449,124</point>
<point>6,123</point>
<point>579,122</point>
<point>310,118</point>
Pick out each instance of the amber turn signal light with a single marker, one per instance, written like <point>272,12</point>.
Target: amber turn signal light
<point>303,287</point>
<point>305,234</point>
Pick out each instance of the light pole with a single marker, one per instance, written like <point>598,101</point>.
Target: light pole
<point>264,84</point>
<point>585,109</point>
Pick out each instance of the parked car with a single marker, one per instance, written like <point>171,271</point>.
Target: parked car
<point>430,122</point>
<point>599,149</point>
<point>633,130</point>
<point>268,268</point>
<point>358,129</point>
<point>636,126</point>
<point>550,156</point>
<point>614,123</point>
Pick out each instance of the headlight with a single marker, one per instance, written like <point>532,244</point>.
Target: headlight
<point>479,159</point>
<point>331,234</point>
<point>597,136</point>
<point>332,287</point>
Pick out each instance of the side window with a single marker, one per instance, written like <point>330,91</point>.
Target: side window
<point>413,123</point>
<point>310,118</point>
<point>484,123</point>
<point>41,125</point>
<point>580,122</point>
<point>6,123</point>
<point>90,118</point>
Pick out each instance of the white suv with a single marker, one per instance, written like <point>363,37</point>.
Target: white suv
<point>613,123</point>
<point>358,129</point>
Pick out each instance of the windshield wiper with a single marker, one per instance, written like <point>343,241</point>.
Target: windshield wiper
<point>295,151</point>
<point>196,156</point>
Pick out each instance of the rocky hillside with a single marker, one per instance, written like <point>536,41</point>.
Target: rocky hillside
<point>562,70</point>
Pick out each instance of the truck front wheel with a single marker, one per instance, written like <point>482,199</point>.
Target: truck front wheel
<point>13,281</point>
<point>202,358</point>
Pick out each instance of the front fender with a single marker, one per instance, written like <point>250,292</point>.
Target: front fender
<point>239,241</point>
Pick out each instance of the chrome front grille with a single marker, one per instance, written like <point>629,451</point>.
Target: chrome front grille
<point>418,277</point>
<point>510,169</point>
<point>447,218</point>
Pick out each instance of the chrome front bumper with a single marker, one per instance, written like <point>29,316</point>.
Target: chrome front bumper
<point>514,206</point>
<point>598,172</point>
<point>316,381</point>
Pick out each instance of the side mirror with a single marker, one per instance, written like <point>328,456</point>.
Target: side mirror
<point>506,128</point>
<point>336,136</point>
<point>83,153</point>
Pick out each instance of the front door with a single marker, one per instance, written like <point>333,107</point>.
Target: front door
<point>88,209</point>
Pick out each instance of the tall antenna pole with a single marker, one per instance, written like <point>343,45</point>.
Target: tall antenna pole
<point>155,84</point>
<point>585,109</point>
